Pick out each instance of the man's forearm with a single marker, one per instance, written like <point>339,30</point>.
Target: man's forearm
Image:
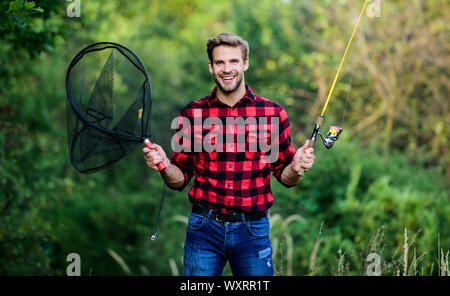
<point>289,176</point>
<point>174,176</point>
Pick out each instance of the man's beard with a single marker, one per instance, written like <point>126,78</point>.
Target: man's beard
<point>240,78</point>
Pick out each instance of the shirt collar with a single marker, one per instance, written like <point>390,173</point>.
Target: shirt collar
<point>249,96</point>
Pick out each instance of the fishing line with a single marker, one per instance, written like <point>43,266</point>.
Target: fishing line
<point>333,131</point>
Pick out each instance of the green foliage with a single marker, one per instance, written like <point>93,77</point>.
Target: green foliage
<point>356,192</point>
<point>372,185</point>
<point>27,28</point>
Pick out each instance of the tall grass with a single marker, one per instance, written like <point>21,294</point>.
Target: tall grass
<point>402,263</point>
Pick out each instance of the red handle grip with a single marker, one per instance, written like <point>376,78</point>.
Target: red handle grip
<point>161,166</point>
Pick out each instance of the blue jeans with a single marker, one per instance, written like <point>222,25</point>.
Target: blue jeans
<point>209,244</point>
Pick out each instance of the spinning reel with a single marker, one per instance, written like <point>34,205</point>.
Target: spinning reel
<point>332,135</point>
<point>328,141</point>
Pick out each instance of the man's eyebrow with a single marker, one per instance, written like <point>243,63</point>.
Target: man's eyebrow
<point>232,60</point>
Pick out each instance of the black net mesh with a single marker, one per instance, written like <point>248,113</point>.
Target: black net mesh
<point>108,106</point>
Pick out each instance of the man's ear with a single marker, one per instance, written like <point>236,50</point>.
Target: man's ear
<point>246,64</point>
<point>210,67</point>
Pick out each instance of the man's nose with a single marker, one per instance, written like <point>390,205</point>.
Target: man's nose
<point>227,67</point>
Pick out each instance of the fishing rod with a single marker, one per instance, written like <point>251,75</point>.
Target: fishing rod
<point>333,130</point>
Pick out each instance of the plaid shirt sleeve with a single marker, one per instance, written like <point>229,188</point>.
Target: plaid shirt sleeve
<point>182,155</point>
<point>286,150</point>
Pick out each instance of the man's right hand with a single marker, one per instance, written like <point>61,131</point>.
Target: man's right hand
<point>154,155</point>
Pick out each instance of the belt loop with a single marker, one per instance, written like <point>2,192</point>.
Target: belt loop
<point>243,217</point>
<point>209,213</point>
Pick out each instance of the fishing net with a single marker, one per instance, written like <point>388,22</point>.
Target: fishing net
<point>109,99</point>
<point>108,107</point>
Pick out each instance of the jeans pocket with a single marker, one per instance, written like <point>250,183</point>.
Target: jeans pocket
<point>259,227</point>
<point>195,222</point>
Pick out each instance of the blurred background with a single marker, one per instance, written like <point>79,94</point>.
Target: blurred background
<point>383,188</point>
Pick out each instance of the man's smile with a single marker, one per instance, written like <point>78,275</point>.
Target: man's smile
<point>228,79</point>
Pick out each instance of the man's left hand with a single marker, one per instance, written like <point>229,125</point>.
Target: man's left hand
<point>303,158</point>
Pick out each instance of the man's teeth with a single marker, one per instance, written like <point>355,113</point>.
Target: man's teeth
<point>227,78</point>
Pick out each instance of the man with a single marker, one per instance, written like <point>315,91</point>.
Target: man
<point>231,192</point>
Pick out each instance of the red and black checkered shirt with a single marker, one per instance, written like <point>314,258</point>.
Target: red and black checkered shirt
<point>234,176</point>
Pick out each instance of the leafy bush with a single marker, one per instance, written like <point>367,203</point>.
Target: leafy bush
<point>356,192</point>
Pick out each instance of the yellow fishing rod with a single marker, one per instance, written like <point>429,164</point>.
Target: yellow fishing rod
<point>333,131</point>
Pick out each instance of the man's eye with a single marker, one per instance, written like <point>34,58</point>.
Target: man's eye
<point>219,62</point>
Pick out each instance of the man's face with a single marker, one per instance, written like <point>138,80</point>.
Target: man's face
<point>228,67</point>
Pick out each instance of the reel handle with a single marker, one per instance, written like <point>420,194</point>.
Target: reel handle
<point>161,166</point>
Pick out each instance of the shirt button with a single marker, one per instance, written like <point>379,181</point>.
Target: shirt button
<point>228,185</point>
<point>230,166</point>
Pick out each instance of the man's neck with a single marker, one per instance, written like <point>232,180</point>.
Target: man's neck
<point>232,98</point>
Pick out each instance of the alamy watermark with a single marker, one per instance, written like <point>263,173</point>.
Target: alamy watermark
<point>237,134</point>
<point>74,8</point>
<point>374,268</point>
<point>74,268</point>
<point>374,8</point>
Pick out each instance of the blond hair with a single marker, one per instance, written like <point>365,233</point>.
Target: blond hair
<point>227,39</point>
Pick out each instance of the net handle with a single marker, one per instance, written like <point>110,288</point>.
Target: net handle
<point>161,166</point>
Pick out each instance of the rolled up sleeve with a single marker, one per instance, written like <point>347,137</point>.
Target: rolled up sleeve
<point>182,155</point>
<point>286,150</point>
